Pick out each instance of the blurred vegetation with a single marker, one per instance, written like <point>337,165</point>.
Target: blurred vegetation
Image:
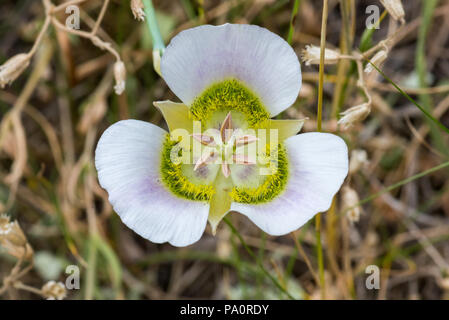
<point>54,113</point>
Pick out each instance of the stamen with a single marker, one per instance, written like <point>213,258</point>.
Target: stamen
<point>245,139</point>
<point>242,159</point>
<point>205,158</point>
<point>226,128</point>
<point>204,139</point>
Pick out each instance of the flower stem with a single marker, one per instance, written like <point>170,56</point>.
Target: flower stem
<point>253,255</point>
<point>322,55</point>
<point>319,247</point>
<point>158,43</point>
<point>319,251</point>
<point>21,286</point>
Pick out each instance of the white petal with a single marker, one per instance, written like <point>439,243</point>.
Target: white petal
<point>198,57</point>
<point>128,163</point>
<point>318,165</point>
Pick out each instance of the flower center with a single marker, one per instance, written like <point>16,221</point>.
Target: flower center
<point>235,154</point>
<point>223,146</point>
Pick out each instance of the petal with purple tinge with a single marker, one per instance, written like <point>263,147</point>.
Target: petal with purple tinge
<point>128,159</point>
<point>318,165</point>
<point>199,57</point>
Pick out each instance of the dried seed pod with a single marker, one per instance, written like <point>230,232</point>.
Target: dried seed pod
<point>311,55</point>
<point>13,68</point>
<point>354,115</point>
<point>120,77</point>
<point>16,243</point>
<point>358,160</point>
<point>350,203</point>
<point>444,283</point>
<point>395,9</point>
<point>377,60</point>
<point>137,10</point>
<point>5,225</point>
<point>92,114</point>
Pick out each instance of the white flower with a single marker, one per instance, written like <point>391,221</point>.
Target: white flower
<point>231,79</point>
<point>53,290</point>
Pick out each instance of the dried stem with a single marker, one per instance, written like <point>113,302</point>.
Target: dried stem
<point>100,17</point>
<point>319,126</point>
<point>96,41</point>
<point>65,5</point>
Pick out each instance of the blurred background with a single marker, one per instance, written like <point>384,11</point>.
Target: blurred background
<point>54,112</point>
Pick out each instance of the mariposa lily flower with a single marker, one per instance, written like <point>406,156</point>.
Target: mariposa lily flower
<point>231,79</point>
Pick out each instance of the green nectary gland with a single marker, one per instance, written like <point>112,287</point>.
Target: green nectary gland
<point>176,182</point>
<point>229,95</point>
<point>272,186</point>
